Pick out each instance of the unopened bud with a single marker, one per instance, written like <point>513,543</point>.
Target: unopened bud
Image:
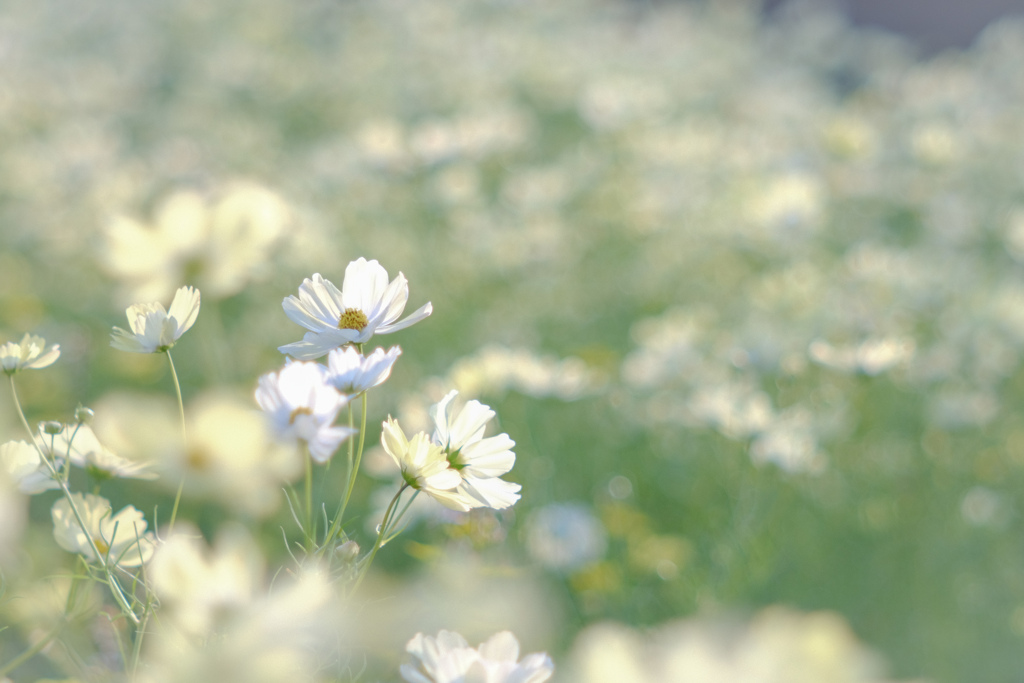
<point>83,414</point>
<point>347,551</point>
<point>52,427</point>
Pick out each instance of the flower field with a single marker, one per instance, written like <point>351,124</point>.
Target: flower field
<point>507,341</point>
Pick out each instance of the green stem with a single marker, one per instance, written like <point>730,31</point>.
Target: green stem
<point>310,532</point>
<point>140,632</point>
<point>184,439</point>
<point>115,587</point>
<point>380,538</point>
<point>21,414</point>
<point>353,471</point>
<point>32,651</point>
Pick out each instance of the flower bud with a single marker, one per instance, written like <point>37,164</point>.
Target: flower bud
<point>52,427</point>
<point>83,415</point>
<point>347,552</point>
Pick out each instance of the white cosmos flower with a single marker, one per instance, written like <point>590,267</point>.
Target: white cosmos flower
<point>26,468</point>
<point>121,539</point>
<point>302,406</point>
<point>448,658</point>
<point>424,465</point>
<point>480,461</point>
<point>80,445</point>
<point>350,372</point>
<point>31,353</point>
<point>366,305</point>
<point>155,329</point>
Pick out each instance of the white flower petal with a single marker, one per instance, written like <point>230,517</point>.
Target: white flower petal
<point>184,309</point>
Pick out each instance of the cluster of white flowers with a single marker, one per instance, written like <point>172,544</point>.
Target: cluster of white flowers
<point>220,242</point>
<point>212,611</point>
<point>778,645</point>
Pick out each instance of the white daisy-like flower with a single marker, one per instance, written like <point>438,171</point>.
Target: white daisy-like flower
<point>350,372</point>
<point>21,460</point>
<point>302,406</point>
<point>121,539</point>
<point>480,461</point>
<point>79,444</point>
<point>424,465</point>
<point>155,329</point>
<point>31,353</point>
<point>448,658</point>
<point>366,305</point>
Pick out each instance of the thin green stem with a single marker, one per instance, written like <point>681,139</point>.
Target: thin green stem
<point>177,390</point>
<point>140,632</point>
<point>184,439</point>
<point>381,533</point>
<point>33,650</point>
<point>115,587</point>
<point>310,532</point>
<point>21,413</point>
<point>353,470</point>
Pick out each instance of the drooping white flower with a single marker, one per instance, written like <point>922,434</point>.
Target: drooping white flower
<point>367,304</point>
<point>155,329</point>
<point>302,406</point>
<point>424,465</point>
<point>350,372</point>
<point>79,444</point>
<point>22,462</point>
<point>480,461</point>
<point>31,353</point>
<point>121,539</point>
<point>448,658</point>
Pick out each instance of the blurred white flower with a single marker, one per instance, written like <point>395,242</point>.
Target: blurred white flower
<point>79,444</point>
<point>284,634</point>
<point>22,463</point>
<point>448,658</point>
<point>302,406</point>
<point>496,369</point>
<point>13,515</point>
<point>155,329</point>
<point>350,372</point>
<point>871,357</point>
<point>366,305</point>
<point>121,539</point>
<point>196,585</point>
<point>231,456</point>
<point>480,461</point>
<point>31,353</point>
<point>565,536</point>
<point>424,465</point>
<point>220,243</point>
<point>778,645</point>
<point>790,441</point>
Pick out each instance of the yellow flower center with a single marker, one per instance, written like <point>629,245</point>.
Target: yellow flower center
<point>299,411</point>
<point>101,546</point>
<point>352,319</point>
<point>198,459</point>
